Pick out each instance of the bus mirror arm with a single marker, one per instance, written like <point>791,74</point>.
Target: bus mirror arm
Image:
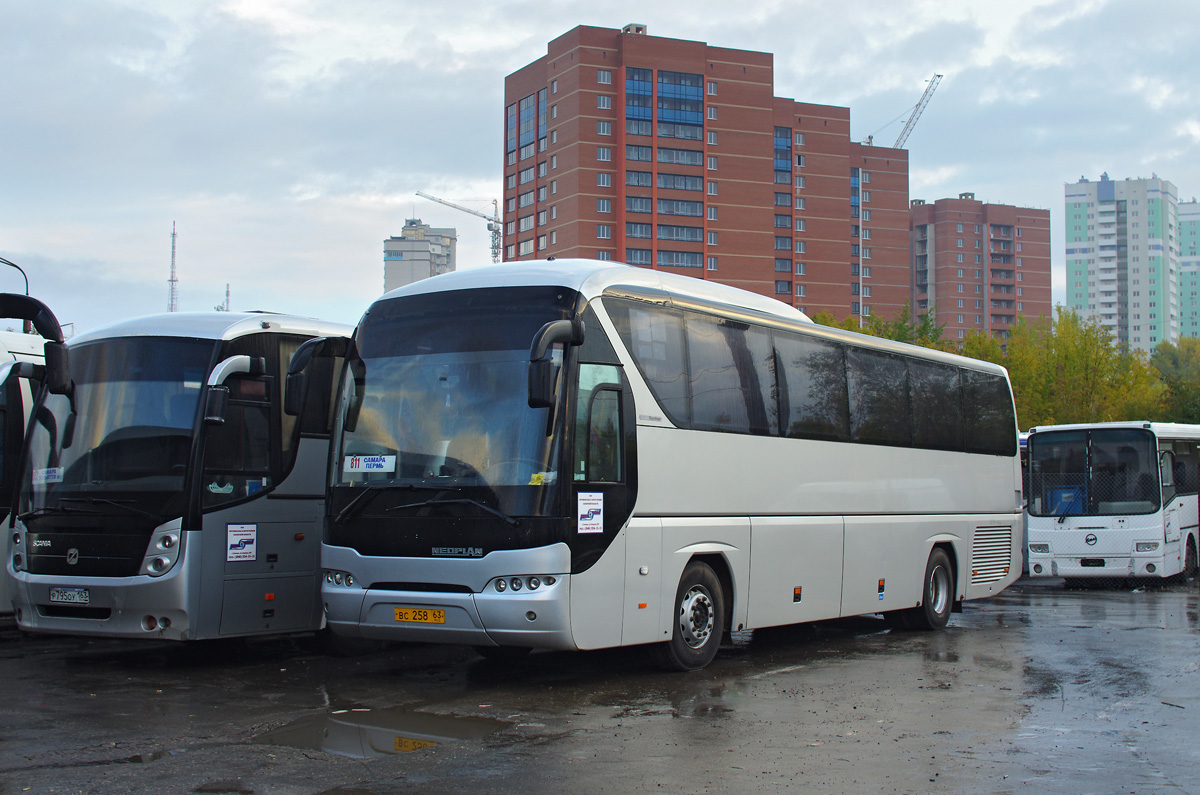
<point>235,365</point>
<point>541,366</point>
<point>33,310</point>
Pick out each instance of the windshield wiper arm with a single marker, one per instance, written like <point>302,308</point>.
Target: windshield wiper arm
<point>53,509</point>
<point>351,506</point>
<point>508,520</point>
<point>117,503</point>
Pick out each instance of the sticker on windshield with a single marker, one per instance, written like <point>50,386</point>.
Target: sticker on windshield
<point>241,541</point>
<point>370,463</point>
<point>44,476</point>
<point>591,511</point>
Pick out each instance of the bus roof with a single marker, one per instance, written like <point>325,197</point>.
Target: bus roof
<point>593,278</point>
<point>1163,430</point>
<point>212,325</point>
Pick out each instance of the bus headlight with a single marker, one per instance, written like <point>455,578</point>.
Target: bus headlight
<point>339,578</point>
<point>1146,546</point>
<point>164,549</point>
<point>1039,549</point>
<point>531,583</point>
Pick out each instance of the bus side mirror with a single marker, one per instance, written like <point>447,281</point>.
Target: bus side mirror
<point>293,394</point>
<point>541,365</point>
<point>215,405</point>
<point>57,375</point>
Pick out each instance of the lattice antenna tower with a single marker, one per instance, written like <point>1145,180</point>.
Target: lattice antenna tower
<point>173,295</point>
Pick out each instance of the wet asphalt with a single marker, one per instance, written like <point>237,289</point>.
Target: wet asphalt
<point>1040,689</point>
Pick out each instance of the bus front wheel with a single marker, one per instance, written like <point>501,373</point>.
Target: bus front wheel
<point>698,622</point>
<point>937,595</point>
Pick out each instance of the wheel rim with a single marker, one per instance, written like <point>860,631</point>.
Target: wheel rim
<point>696,617</point>
<point>939,589</point>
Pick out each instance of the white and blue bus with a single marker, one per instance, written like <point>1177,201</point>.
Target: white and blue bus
<point>1114,500</point>
<point>578,455</point>
<point>164,492</point>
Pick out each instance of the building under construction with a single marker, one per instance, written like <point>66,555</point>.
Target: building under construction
<point>418,253</point>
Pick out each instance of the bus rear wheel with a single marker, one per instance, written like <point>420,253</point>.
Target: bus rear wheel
<point>698,623</point>
<point>937,595</point>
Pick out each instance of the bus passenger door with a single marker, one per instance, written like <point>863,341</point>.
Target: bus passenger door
<point>1172,520</point>
<point>602,494</point>
<point>265,545</point>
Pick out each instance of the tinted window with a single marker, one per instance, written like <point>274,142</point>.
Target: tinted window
<point>878,386</point>
<point>936,405</point>
<point>990,425</point>
<point>731,371</point>
<point>812,388</point>
<point>654,337</point>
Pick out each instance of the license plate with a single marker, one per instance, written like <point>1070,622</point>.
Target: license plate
<point>70,596</point>
<point>407,744</point>
<point>420,615</point>
<point>1095,563</point>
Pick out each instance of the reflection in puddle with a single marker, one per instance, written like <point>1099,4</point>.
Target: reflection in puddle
<point>368,733</point>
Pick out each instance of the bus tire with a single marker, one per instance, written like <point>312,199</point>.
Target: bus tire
<point>698,622</point>
<point>1190,560</point>
<point>937,594</point>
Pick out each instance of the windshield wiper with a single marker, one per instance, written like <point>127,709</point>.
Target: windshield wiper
<point>53,509</point>
<point>117,503</point>
<point>373,490</point>
<point>508,520</point>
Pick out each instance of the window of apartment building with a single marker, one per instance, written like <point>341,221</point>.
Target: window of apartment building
<point>960,302</point>
<point>801,291</point>
<point>783,243</point>
<point>604,255</point>
<point>604,101</point>
<point>958,288</point>
<point>641,179</point>
<point>783,265</point>
<point>638,127</point>
<point>511,181</point>
<point>542,191</point>
<point>866,291</point>
<point>679,259</point>
<point>712,263</point>
<point>801,268</point>
<point>525,247</point>
<point>712,89</point>
<point>1020,277</point>
<point>1019,231</point>
<point>978,304</point>
<point>511,205</point>
<point>783,178</point>
<point>542,169</point>
<point>783,200</point>
<point>799,202</point>
<point>553,86</point>
<point>783,222</point>
<point>604,180</point>
<point>800,225</point>
<point>866,253</point>
<point>866,195</point>
<point>712,112</point>
<point>554,136</point>
<point>526,175</point>
<point>962,318</point>
<point>978,274</point>
<point>958,228</point>
<point>679,182</point>
<point>712,189</point>
<point>541,241</point>
<point>541,218</point>
<point>604,77</point>
<point>511,160</point>
<point>800,182</point>
<point>783,287</point>
<point>553,213</point>
<point>978,229</point>
<point>604,153</point>
<point>604,205</point>
<point>801,247</point>
<point>511,229</point>
<point>866,272</point>
<point>800,161</point>
<point>525,199</point>
<point>639,231</point>
<point>854,307</point>
<point>978,244</point>
<point>866,234</point>
<point>712,163</point>
<point>604,128</point>
<point>712,238</point>
<point>638,204</point>
<point>712,137</point>
<point>799,139</point>
<point>978,259</point>
<point>510,252</point>
<point>958,243</point>
<point>638,153</point>
<point>541,144</point>
<point>525,224</point>
<point>959,272</point>
<point>712,213</point>
<point>639,256</point>
<point>604,231</point>
<point>554,111</point>
<point>686,234</point>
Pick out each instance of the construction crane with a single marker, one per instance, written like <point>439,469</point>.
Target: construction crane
<point>493,221</point>
<point>916,114</point>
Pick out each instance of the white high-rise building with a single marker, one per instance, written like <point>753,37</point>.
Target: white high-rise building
<point>1122,257</point>
<point>1189,269</point>
<point>419,252</point>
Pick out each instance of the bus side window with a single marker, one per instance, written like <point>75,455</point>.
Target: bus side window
<point>1167,467</point>
<point>598,424</point>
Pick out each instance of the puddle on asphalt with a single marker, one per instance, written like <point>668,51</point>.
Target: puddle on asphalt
<point>369,733</point>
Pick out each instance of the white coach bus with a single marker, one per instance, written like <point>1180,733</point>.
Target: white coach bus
<point>164,493</point>
<point>577,455</point>
<point>1115,499</point>
<point>22,368</point>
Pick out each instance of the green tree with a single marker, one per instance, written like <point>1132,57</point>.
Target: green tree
<point>1178,366</point>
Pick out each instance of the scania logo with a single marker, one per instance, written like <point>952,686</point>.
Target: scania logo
<point>72,556</point>
<point>1090,539</point>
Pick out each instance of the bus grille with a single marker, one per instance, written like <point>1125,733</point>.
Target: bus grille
<point>991,555</point>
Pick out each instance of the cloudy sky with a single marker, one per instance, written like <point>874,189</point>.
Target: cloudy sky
<point>285,139</point>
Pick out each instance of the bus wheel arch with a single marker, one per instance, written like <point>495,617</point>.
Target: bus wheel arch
<point>699,617</point>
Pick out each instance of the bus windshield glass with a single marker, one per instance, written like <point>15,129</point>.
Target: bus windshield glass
<point>438,399</point>
<point>121,440</point>
<point>1107,472</point>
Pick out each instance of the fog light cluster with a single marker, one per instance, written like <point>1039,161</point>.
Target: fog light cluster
<point>531,583</point>
<point>340,578</point>
<point>1146,546</point>
<point>1039,549</point>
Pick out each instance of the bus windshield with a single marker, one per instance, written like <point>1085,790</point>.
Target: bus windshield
<point>438,399</point>
<point>1103,472</point>
<point>120,441</point>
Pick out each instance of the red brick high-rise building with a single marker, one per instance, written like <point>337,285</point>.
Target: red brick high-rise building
<point>677,155</point>
<point>980,265</point>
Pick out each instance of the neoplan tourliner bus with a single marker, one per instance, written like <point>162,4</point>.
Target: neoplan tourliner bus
<point>577,455</point>
<point>1113,500</point>
<point>164,493</point>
